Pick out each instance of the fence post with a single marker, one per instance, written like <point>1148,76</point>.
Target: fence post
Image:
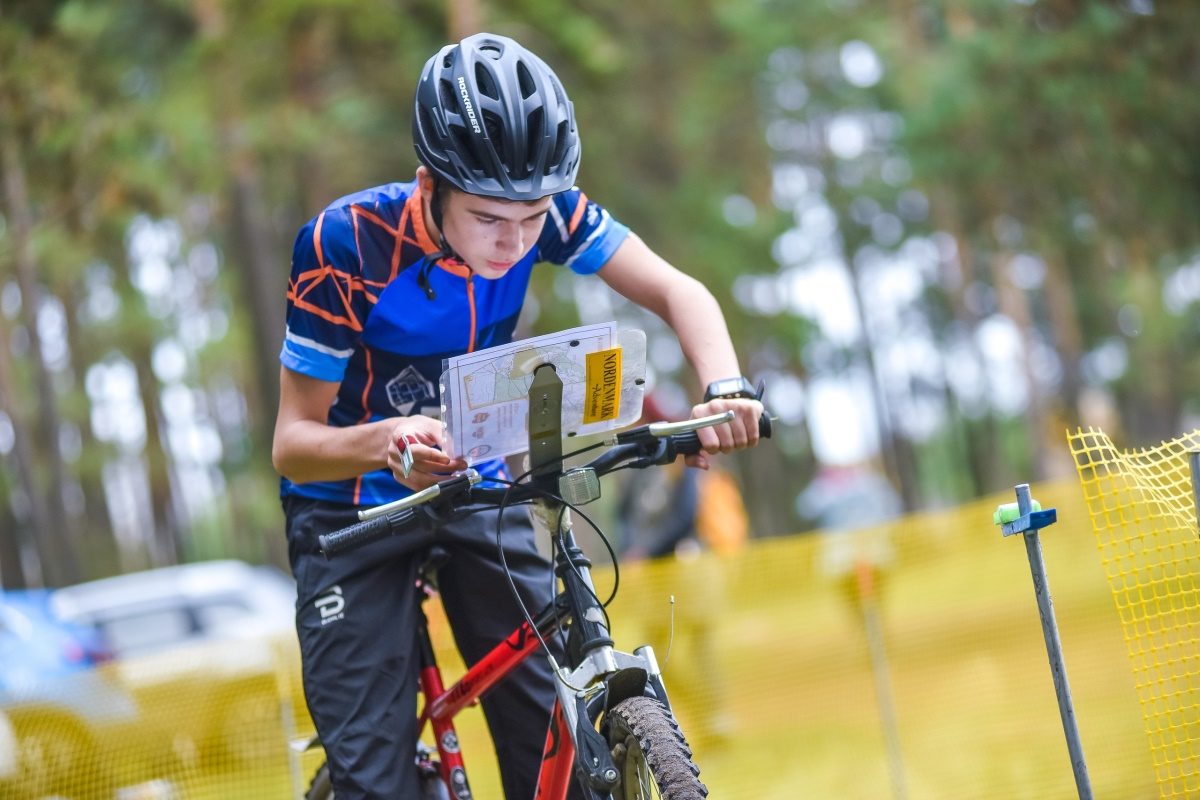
<point>1028,520</point>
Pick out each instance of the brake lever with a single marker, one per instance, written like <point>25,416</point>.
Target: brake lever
<point>448,488</point>
<point>661,431</point>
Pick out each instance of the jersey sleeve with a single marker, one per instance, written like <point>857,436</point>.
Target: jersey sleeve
<point>326,301</point>
<point>579,233</point>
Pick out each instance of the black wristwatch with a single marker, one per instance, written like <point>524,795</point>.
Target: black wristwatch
<point>730,388</point>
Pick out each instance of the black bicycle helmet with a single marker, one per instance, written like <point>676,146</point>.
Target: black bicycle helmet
<point>493,119</point>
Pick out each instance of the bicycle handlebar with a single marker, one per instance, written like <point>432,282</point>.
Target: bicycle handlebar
<point>644,446</point>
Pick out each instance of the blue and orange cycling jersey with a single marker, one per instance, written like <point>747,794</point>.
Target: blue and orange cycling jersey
<point>357,316</point>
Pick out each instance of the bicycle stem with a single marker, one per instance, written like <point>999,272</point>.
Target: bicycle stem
<point>574,570</point>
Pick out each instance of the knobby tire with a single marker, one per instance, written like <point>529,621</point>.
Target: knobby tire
<point>651,755</point>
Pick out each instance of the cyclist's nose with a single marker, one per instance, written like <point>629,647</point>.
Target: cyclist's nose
<point>510,242</point>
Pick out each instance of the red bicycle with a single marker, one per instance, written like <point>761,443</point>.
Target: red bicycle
<point>611,727</point>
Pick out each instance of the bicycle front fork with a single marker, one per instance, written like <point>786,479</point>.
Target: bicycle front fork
<point>603,676</point>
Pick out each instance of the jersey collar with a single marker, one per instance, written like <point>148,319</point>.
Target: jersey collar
<point>416,213</point>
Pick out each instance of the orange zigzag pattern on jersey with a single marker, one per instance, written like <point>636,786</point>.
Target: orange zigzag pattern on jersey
<point>345,283</point>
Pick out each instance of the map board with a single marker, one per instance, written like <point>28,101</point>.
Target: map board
<point>485,402</point>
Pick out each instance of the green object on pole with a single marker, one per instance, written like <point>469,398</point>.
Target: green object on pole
<point>1011,512</point>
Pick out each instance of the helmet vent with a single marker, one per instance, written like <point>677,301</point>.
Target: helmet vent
<point>486,82</point>
<point>525,81</point>
<point>535,124</point>
<point>560,146</point>
<point>495,130</point>
<point>463,147</point>
<point>492,51</point>
<point>426,122</point>
<point>449,96</point>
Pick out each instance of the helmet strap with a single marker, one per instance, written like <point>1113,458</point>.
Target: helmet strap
<point>444,249</point>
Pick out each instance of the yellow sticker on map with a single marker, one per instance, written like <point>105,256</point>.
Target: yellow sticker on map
<point>602,398</point>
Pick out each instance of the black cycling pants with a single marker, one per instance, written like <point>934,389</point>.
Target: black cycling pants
<point>357,619</point>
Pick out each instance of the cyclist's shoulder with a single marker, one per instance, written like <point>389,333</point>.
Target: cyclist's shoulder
<point>572,205</point>
<point>382,198</point>
<point>335,228</point>
<point>573,217</point>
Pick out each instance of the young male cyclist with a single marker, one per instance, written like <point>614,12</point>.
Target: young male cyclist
<point>384,284</point>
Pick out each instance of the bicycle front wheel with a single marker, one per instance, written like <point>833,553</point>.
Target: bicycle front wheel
<point>651,755</point>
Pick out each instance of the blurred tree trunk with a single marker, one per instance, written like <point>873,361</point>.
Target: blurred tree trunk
<point>980,437</point>
<point>463,18</point>
<point>96,520</point>
<point>1153,402</point>
<point>309,55</point>
<point>63,568</point>
<point>17,537</point>
<point>1014,304</point>
<point>1068,337</point>
<point>897,451</point>
<point>94,526</point>
<point>262,271</point>
<point>166,543</point>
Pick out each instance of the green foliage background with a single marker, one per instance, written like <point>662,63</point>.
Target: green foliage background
<point>1058,129</point>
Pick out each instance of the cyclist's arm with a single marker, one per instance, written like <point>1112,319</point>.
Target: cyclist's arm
<point>307,449</point>
<point>641,275</point>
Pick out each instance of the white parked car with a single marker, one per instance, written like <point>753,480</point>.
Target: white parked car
<point>206,649</point>
<point>142,612</point>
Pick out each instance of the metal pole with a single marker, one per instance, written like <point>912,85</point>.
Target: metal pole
<point>881,673</point>
<point>1058,669</point>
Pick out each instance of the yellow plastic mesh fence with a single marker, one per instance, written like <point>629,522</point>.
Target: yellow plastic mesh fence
<point>787,661</point>
<point>1143,512</point>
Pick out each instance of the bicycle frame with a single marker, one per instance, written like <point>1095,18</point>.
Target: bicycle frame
<point>443,704</point>
<point>624,675</point>
<point>578,690</point>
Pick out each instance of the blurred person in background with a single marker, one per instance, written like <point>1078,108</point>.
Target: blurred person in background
<point>387,282</point>
<point>850,504</point>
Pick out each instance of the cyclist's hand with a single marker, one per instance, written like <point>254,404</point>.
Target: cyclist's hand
<point>419,436</point>
<point>741,432</point>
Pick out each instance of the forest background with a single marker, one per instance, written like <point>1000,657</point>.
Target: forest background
<point>944,231</point>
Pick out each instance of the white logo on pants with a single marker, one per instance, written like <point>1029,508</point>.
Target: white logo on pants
<point>331,604</point>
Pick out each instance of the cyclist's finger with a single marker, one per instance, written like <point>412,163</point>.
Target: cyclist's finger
<point>698,460</point>
<point>743,428</point>
<point>726,434</point>
<point>430,459</point>
<point>414,480</point>
<point>737,430</point>
<point>709,440</point>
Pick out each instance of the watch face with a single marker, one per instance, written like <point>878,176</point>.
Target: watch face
<point>729,387</point>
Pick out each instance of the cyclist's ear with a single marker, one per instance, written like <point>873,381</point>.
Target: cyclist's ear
<point>426,182</point>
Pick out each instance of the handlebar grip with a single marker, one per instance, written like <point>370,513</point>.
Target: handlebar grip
<point>687,444</point>
<point>765,425</point>
<point>359,534</point>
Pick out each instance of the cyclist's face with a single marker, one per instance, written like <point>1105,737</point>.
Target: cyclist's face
<point>492,235</point>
